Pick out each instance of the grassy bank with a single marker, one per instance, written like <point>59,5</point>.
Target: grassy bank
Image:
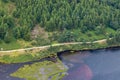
<point>32,55</point>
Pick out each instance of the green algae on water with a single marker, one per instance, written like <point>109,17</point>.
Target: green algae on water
<point>41,71</point>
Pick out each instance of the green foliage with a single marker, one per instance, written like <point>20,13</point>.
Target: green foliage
<point>22,32</point>
<point>8,38</point>
<point>76,35</point>
<point>58,16</point>
<point>9,21</point>
<point>41,41</point>
<point>5,1</point>
<point>67,36</point>
<point>2,13</point>
<point>3,30</point>
<point>115,39</point>
<point>114,3</point>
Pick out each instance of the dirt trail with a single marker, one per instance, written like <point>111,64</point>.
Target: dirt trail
<point>48,46</point>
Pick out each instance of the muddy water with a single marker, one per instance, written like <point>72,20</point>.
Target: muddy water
<point>92,65</point>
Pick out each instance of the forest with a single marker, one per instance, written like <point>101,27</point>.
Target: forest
<point>61,20</point>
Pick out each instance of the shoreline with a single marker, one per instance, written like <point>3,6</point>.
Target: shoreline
<point>37,49</point>
<point>37,53</point>
<point>106,48</point>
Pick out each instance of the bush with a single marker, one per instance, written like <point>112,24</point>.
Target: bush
<point>9,21</point>
<point>1,41</point>
<point>41,41</point>
<point>8,38</point>
<point>27,37</point>
<point>2,13</point>
<point>5,1</point>
<point>67,36</point>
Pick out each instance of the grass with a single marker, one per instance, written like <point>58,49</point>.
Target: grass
<point>41,71</point>
<point>18,59</point>
<point>26,57</point>
<point>15,44</point>
<point>10,46</point>
<point>32,55</point>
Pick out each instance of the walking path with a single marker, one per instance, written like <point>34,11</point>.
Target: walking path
<point>48,46</point>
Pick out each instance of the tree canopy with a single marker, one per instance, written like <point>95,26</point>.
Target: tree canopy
<point>58,15</point>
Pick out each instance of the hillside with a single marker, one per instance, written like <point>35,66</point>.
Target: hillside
<point>44,22</point>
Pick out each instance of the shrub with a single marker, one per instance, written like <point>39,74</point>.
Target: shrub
<point>8,38</point>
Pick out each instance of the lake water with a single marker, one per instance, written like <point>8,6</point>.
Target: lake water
<point>7,69</point>
<point>92,65</point>
<point>84,65</point>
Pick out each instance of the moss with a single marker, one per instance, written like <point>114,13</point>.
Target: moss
<point>41,71</point>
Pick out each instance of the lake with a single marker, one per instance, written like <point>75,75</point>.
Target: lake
<point>101,64</point>
<point>92,65</point>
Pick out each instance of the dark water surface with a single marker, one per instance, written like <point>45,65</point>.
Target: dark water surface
<point>92,65</point>
<point>7,69</point>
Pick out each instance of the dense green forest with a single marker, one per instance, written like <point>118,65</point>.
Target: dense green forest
<point>62,20</point>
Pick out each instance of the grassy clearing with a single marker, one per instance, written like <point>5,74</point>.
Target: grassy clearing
<point>41,71</point>
<point>15,44</point>
<point>10,46</point>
